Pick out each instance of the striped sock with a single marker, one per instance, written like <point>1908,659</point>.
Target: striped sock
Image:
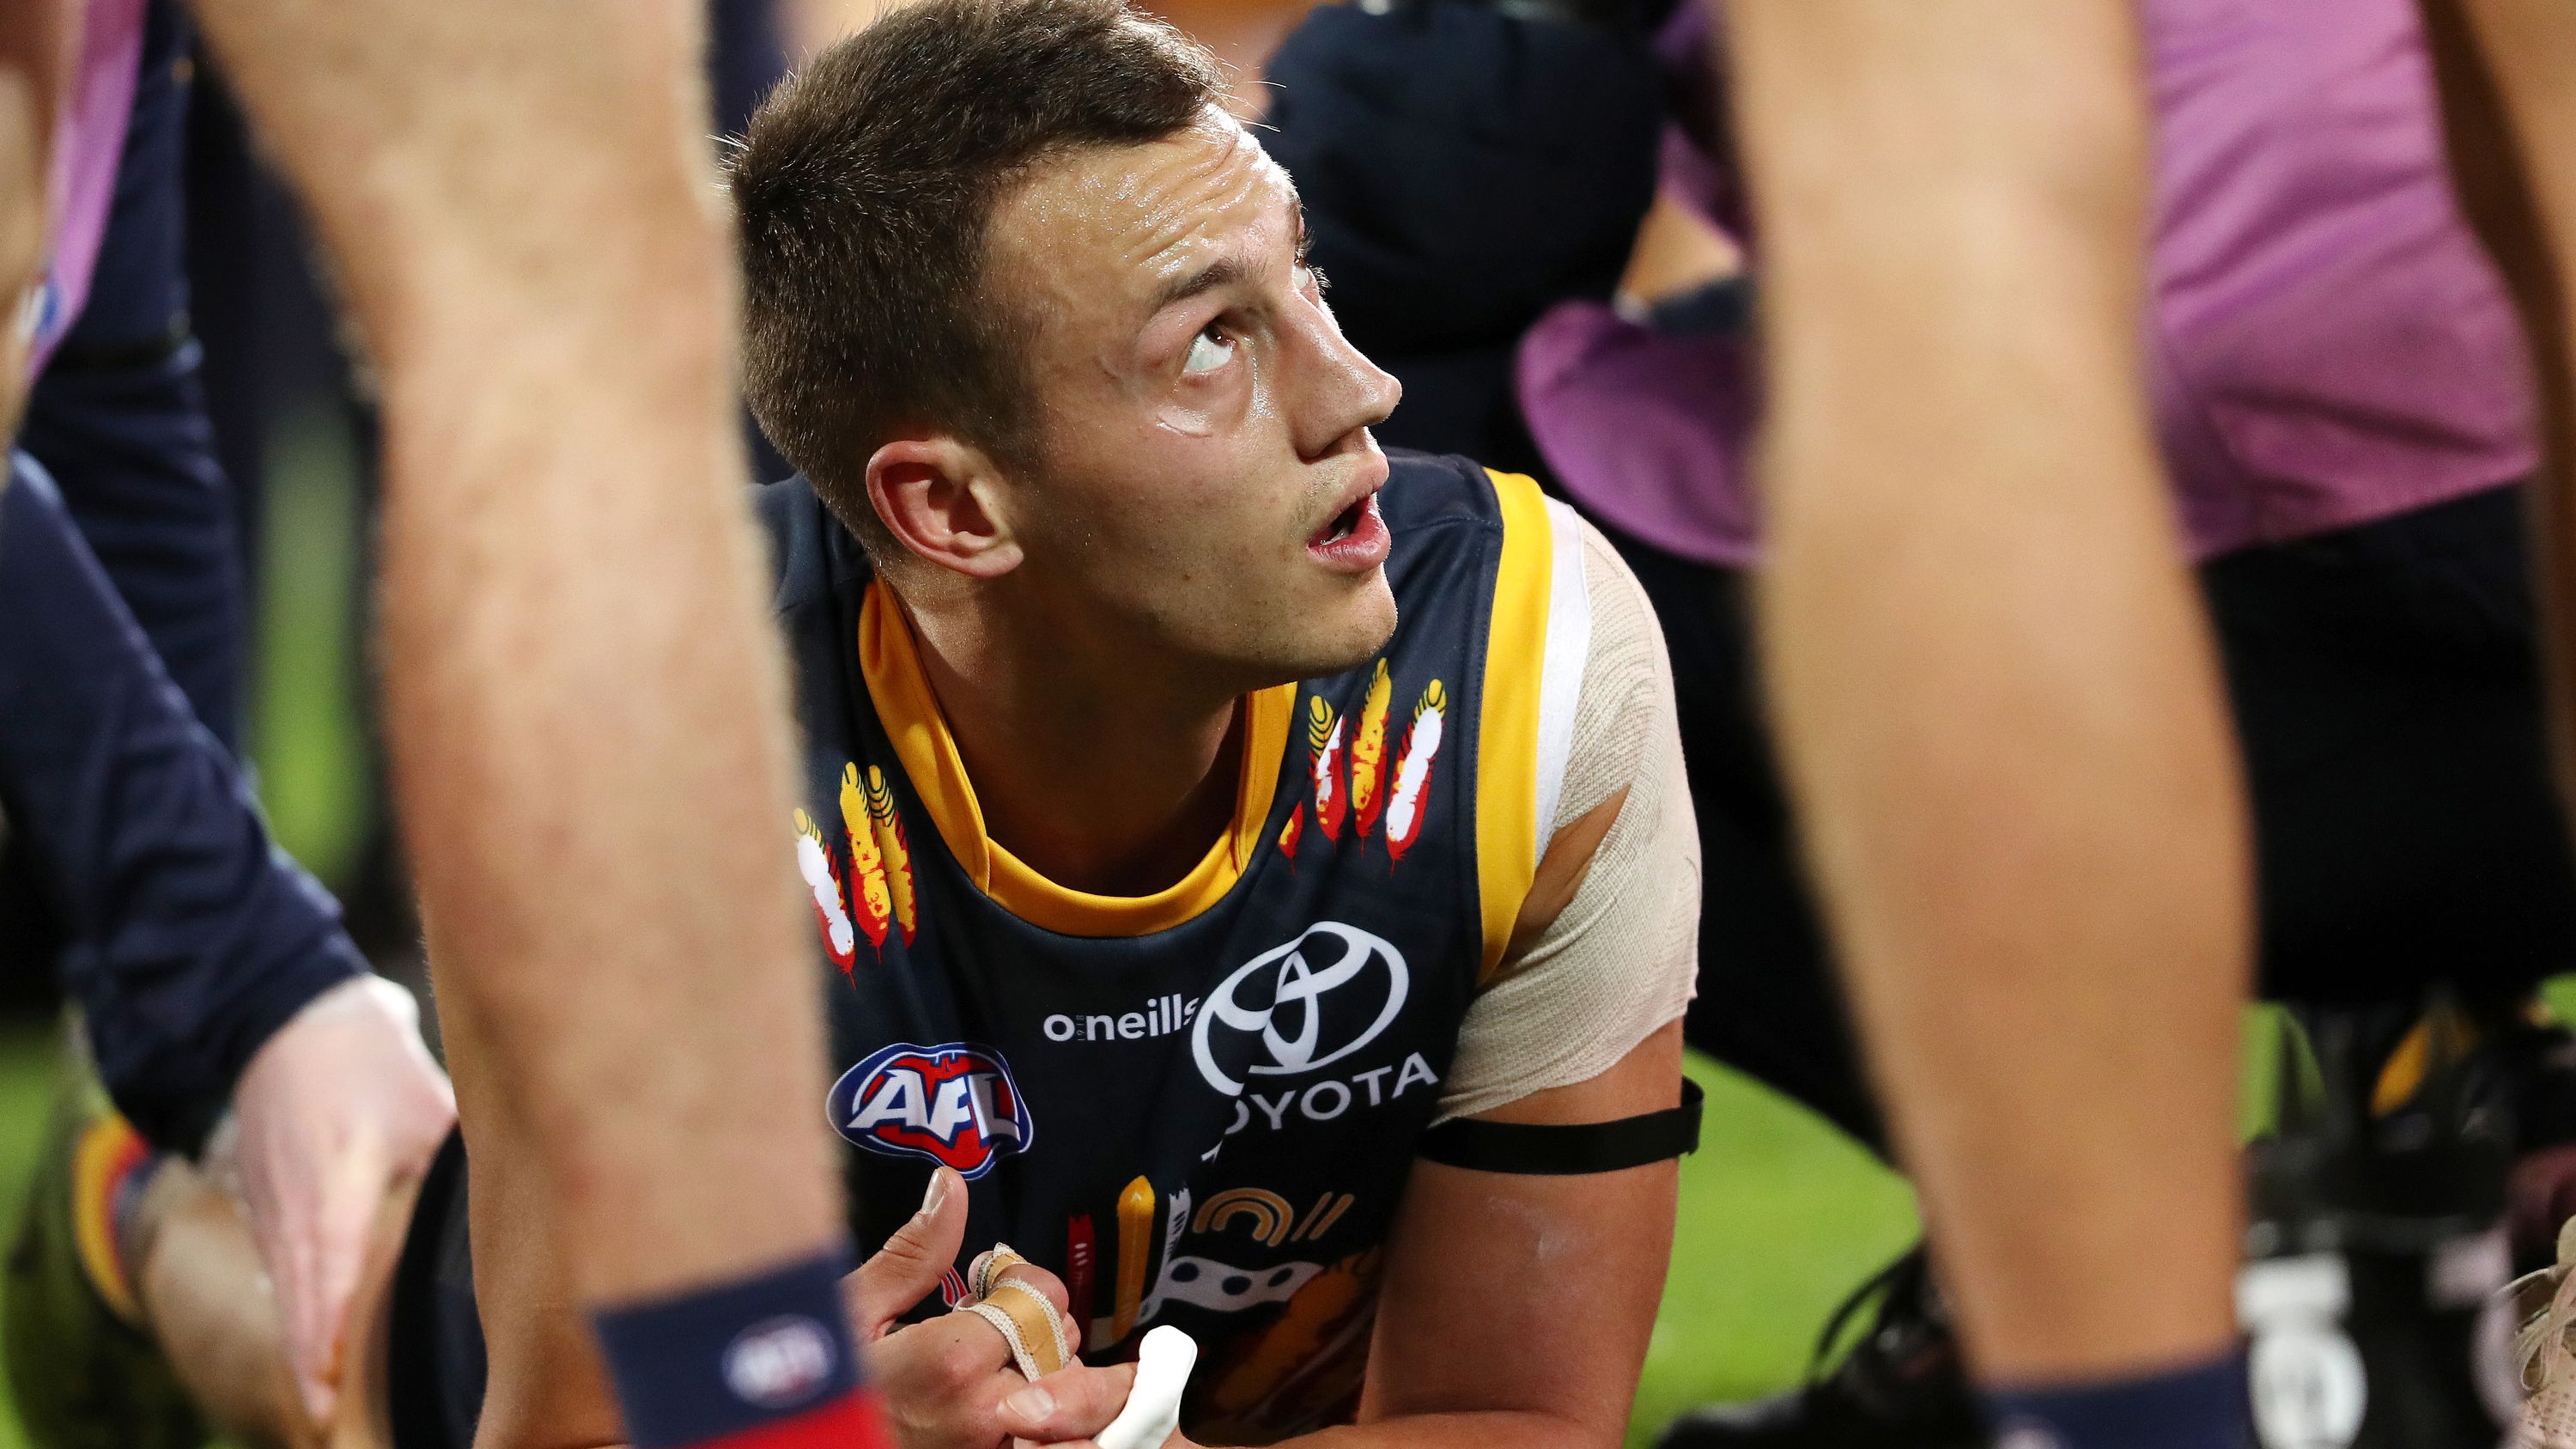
<point>111,1165</point>
<point>2199,1406</point>
<point>763,1362</point>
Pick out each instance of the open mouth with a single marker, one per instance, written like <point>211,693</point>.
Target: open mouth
<point>1344,523</point>
<point>1353,540</point>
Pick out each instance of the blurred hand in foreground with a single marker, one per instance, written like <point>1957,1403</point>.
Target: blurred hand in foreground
<point>335,1112</point>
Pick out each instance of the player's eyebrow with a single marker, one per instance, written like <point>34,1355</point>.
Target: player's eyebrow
<point>1226,271</point>
<point>1223,272</point>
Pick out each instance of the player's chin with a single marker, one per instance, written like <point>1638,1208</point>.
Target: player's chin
<point>1349,628</point>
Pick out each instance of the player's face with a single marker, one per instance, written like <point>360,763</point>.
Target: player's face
<point>1206,473</point>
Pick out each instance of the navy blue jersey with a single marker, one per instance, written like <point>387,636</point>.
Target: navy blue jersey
<point>1199,1107</point>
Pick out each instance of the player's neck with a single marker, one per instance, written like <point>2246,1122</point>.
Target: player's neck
<point>1104,775</point>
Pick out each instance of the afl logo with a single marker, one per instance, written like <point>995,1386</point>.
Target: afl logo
<point>779,1362</point>
<point>955,1105</point>
<point>1307,1004</point>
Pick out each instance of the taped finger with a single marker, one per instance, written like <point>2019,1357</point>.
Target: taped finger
<point>1032,1277</point>
<point>1029,1323</point>
<point>988,1267</point>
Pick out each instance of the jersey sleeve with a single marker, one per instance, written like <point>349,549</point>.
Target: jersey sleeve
<point>1622,960</point>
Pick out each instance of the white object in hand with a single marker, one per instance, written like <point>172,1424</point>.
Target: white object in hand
<point>1163,1364</point>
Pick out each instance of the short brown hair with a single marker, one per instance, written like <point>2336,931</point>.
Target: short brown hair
<point>864,187</point>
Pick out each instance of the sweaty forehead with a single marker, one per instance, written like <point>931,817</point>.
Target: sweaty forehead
<point>1111,226</point>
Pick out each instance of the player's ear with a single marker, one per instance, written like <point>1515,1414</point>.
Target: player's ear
<point>943,500</point>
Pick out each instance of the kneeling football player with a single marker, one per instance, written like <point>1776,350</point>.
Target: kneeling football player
<point>1254,882</point>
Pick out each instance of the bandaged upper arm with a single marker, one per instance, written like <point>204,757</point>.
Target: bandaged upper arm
<point>1620,961</point>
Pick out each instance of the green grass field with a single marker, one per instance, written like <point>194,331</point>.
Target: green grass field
<point>1779,1218</point>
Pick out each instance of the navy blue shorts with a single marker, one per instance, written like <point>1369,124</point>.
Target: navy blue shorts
<point>434,1367</point>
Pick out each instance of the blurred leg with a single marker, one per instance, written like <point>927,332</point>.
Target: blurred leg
<point>1995,694</point>
<point>586,703</point>
<point>540,465</point>
<point>207,1303</point>
<point>208,1306</point>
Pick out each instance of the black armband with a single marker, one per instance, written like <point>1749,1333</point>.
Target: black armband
<point>1550,1149</point>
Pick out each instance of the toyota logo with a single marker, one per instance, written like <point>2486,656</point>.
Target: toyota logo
<point>1279,997</point>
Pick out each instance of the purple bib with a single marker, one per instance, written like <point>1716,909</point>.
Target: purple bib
<point>2327,343</point>
<point>89,141</point>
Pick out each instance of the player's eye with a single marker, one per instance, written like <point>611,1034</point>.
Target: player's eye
<point>1210,350</point>
<point>1308,274</point>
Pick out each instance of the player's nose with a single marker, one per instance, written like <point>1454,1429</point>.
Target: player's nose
<point>1346,393</point>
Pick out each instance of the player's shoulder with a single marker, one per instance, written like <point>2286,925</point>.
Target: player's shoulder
<point>812,556</point>
<point>1432,488</point>
<point>1447,509</point>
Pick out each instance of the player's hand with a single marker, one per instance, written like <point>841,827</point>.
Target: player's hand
<point>948,1383</point>
<point>1050,1431</point>
<point>1052,1427</point>
<point>335,1110</point>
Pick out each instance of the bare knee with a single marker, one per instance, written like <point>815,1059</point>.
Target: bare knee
<point>206,1298</point>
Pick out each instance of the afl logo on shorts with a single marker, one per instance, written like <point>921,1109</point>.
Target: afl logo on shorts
<point>955,1105</point>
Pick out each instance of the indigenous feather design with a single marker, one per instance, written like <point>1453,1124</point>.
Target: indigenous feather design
<point>1324,755</point>
<point>870,903</point>
<point>896,851</point>
<point>1368,753</point>
<point>1413,770</point>
<point>823,881</point>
